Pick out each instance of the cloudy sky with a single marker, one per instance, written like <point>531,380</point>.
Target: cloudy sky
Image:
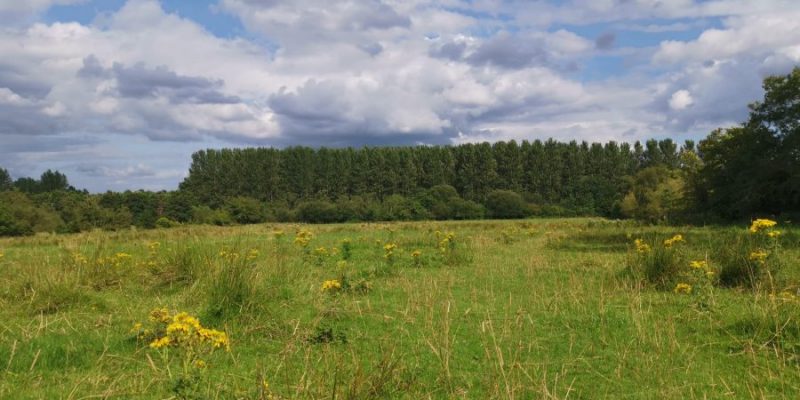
<point>117,94</point>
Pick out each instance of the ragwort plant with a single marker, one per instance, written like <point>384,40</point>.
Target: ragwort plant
<point>181,338</point>
<point>750,258</point>
<point>658,263</point>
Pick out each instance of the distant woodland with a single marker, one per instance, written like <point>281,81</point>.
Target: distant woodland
<point>736,173</point>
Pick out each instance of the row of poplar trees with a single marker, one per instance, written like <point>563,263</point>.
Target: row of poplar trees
<point>586,178</point>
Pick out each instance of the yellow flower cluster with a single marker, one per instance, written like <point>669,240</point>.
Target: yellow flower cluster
<point>673,240</point>
<point>683,288</point>
<point>252,254</point>
<point>388,250</point>
<point>759,225</point>
<point>641,246</point>
<point>320,252</point>
<point>184,330</point>
<point>759,256</point>
<point>446,241</point>
<point>774,234</point>
<point>79,259</point>
<point>416,254</point>
<point>303,238</point>
<point>153,246</point>
<point>702,265</point>
<point>331,285</point>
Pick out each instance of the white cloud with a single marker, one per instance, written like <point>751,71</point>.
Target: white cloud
<point>349,72</point>
<point>680,100</point>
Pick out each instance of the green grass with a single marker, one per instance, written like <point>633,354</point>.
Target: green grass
<point>519,310</point>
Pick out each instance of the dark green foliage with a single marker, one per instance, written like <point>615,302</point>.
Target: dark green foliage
<point>754,168</point>
<point>245,210</point>
<point>207,215</point>
<point>19,215</point>
<point>655,195</point>
<point>319,211</point>
<point>164,222</point>
<point>506,204</point>
<point>400,208</point>
<point>584,178</point>
<point>5,180</point>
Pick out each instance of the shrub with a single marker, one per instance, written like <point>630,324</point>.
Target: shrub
<point>506,204</point>
<point>164,222</point>
<point>319,211</point>
<point>655,195</point>
<point>207,215</point>
<point>399,208</point>
<point>245,210</point>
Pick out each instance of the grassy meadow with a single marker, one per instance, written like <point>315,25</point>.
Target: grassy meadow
<point>528,309</point>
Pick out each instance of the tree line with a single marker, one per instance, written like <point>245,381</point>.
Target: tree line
<point>748,170</point>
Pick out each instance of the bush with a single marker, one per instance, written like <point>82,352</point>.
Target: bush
<point>399,208</point>
<point>164,222</point>
<point>20,216</point>
<point>245,210</point>
<point>443,202</point>
<point>207,215</point>
<point>506,204</point>
<point>656,195</point>
<point>319,211</point>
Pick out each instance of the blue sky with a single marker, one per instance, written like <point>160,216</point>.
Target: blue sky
<point>118,94</point>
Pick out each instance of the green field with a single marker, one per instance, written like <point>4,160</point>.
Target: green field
<point>528,309</point>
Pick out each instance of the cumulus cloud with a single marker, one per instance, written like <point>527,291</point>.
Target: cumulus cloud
<point>680,100</point>
<point>347,72</point>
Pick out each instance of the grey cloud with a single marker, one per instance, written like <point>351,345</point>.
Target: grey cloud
<point>377,15</point>
<point>712,92</point>
<point>449,50</point>
<point>507,51</point>
<point>25,118</point>
<point>372,49</point>
<point>135,171</point>
<point>21,83</point>
<point>605,41</point>
<point>93,69</point>
<point>139,81</point>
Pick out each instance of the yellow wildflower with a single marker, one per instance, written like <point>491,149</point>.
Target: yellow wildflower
<point>683,288</point>
<point>641,246</point>
<point>759,256</point>
<point>760,224</point>
<point>701,264</point>
<point>331,285</point>
<point>673,240</point>
<point>416,253</point>
<point>200,364</point>
<point>303,238</point>
<point>137,327</point>
<point>774,234</point>
<point>159,343</point>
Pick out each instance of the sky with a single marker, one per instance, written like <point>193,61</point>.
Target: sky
<point>117,94</point>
